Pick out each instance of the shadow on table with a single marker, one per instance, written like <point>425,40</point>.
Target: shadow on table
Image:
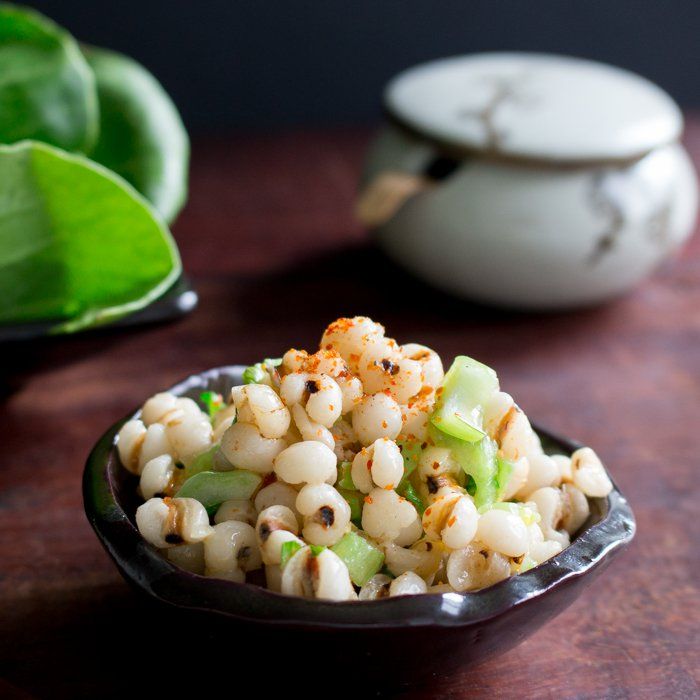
<point>363,280</point>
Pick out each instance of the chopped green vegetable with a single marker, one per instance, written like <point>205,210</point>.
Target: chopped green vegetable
<point>81,247</point>
<point>47,90</point>
<point>213,488</point>
<point>478,460</point>
<point>254,374</point>
<point>141,134</point>
<point>411,452</point>
<point>202,463</point>
<point>259,373</point>
<point>213,401</point>
<point>345,476</point>
<point>288,550</point>
<point>361,557</point>
<point>316,549</point>
<point>504,469</point>
<point>459,410</point>
<point>355,500</point>
<point>470,485</point>
<point>405,489</point>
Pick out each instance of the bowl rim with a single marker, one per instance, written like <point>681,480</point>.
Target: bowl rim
<point>142,565</point>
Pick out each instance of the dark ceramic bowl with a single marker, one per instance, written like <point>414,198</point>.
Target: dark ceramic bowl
<point>430,634</point>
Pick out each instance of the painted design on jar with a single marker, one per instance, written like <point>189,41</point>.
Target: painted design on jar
<point>506,89</point>
<point>609,194</point>
<point>604,201</point>
<point>659,226</point>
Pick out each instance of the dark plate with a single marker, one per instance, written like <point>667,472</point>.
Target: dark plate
<point>430,634</point>
<point>177,301</point>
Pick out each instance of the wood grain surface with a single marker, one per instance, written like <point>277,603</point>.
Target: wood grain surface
<point>271,245</point>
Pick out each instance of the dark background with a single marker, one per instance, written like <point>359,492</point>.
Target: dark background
<point>233,63</point>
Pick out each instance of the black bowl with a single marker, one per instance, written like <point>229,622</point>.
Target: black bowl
<point>430,634</point>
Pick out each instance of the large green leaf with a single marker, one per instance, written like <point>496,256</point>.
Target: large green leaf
<point>78,245</point>
<point>47,90</point>
<point>141,134</point>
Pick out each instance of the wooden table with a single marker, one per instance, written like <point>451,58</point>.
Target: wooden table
<point>269,240</point>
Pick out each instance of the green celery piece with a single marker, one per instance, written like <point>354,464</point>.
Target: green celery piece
<point>504,468</point>
<point>254,374</point>
<point>470,486</point>
<point>258,373</point>
<point>466,387</point>
<point>213,488</point>
<point>78,245</point>
<point>355,500</point>
<point>345,477</point>
<point>288,550</point>
<point>213,401</point>
<point>361,557</point>
<point>202,463</point>
<point>47,89</point>
<point>405,489</point>
<point>410,451</point>
<point>141,134</point>
<point>477,460</point>
<point>316,549</point>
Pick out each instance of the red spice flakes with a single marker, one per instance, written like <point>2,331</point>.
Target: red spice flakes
<point>439,390</point>
<point>340,325</point>
<point>385,425</point>
<point>451,521</point>
<point>330,406</point>
<point>389,487</point>
<point>436,465</point>
<point>428,511</point>
<point>370,462</point>
<point>368,499</point>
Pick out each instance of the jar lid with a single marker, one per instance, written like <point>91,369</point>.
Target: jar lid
<point>534,106</point>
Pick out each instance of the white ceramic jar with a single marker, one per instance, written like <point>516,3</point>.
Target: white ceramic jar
<point>529,180</point>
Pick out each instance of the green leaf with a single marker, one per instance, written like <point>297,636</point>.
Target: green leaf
<point>78,245</point>
<point>287,551</point>
<point>47,90</point>
<point>141,136</point>
<point>361,557</point>
<point>213,488</point>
